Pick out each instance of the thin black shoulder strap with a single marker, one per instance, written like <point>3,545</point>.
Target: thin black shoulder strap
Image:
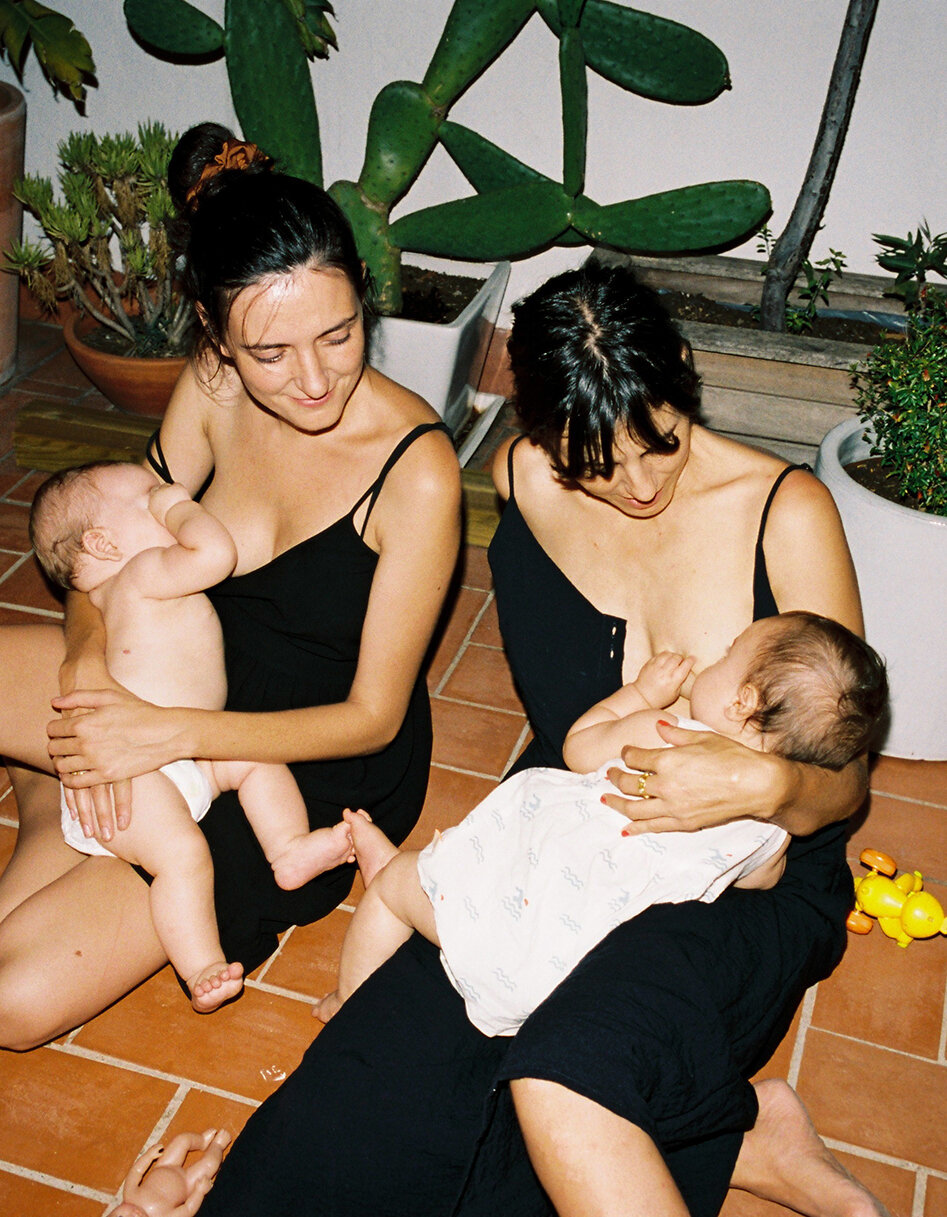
<point>399,450</point>
<point>772,494</point>
<point>764,603</point>
<point>509,463</point>
<point>156,459</point>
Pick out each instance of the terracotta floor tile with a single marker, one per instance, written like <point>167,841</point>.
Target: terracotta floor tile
<point>935,1202</point>
<point>475,569</point>
<point>453,630</point>
<point>201,1110</point>
<point>7,561</point>
<point>779,1063</point>
<point>483,677</point>
<point>887,995</point>
<point>60,1115</point>
<point>487,632</point>
<point>27,586</point>
<point>7,835</point>
<point>20,1197</point>
<point>913,834</point>
<point>308,960</point>
<point>471,737</point>
<point>46,384</point>
<point>925,780</point>
<point>449,797</point>
<point>840,1079</point>
<point>61,369</point>
<point>27,487</point>
<point>244,1048</point>
<point>14,519</point>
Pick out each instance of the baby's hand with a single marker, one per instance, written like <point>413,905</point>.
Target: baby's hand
<point>165,496</point>
<point>660,679</point>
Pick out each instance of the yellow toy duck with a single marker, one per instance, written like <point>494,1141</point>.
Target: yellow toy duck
<point>903,909</point>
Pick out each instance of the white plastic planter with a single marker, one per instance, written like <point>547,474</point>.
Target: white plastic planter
<point>443,363</point>
<point>900,558</point>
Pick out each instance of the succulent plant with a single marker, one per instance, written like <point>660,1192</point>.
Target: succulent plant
<point>113,199</point>
<point>515,210</point>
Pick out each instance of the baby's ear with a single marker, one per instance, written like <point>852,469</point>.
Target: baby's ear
<point>99,543</point>
<point>743,705</point>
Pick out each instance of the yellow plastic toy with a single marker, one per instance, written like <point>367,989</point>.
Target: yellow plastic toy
<point>903,909</point>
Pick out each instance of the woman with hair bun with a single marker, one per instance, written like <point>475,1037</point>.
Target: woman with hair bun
<point>342,492</point>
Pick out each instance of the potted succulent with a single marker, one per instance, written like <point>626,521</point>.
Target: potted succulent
<point>900,547</point>
<point>66,60</point>
<point>514,210</point>
<point>109,257</point>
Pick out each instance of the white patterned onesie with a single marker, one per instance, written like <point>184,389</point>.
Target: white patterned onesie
<point>538,873</point>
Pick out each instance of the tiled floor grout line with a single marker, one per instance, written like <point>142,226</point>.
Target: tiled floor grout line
<point>903,798</point>
<point>103,1058</point>
<point>36,612</point>
<point>476,705</point>
<point>62,1185</point>
<point>278,991</point>
<point>942,1044</point>
<point>798,1048</point>
<point>471,773</point>
<point>939,1062</point>
<point>462,648</point>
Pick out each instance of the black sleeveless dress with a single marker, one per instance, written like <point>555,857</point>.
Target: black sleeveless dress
<point>292,631</point>
<point>400,1105</point>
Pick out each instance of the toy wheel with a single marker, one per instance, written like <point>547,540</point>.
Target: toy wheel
<point>883,863</point>
<point>859,922</point>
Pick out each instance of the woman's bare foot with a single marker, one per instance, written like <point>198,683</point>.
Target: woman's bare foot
<point>784,1159</point>
<point>327,1006</point>
<point>373,850</point>
<point>214,985</point>
<point>313,853</point>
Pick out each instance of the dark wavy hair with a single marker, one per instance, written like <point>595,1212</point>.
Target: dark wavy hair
<point>823,691</point>
<point>594,356</point>
<point>246,224</point>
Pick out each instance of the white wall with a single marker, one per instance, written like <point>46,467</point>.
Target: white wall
<point>780,53</point>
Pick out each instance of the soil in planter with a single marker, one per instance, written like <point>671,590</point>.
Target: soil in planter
<point>690,306</point>
<point>101,338</point>
<point>870,473</point>
<point>436,296</point>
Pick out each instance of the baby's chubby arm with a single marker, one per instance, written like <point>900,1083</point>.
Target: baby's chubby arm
<point>627,716</point>
<point>203,553</point>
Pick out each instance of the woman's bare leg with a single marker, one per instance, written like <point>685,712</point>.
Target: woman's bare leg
<point>75,933</point>
<point>591,1162</point>
<point>784,1159</point>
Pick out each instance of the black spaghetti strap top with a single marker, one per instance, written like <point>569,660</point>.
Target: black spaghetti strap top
<point>292,635</point>
<point>764,603</point>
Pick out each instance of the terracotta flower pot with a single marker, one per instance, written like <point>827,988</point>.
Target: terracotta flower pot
<point>140,386</point>
<point>12,131</point>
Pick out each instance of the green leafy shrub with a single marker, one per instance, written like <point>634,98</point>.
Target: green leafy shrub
<point>108,249</point>
<point>910,259</point>
<point>901,390</point>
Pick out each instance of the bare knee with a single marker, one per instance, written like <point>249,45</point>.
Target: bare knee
<point>26,1015</point>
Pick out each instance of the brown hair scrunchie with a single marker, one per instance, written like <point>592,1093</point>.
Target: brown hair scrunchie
<point>235,154</point>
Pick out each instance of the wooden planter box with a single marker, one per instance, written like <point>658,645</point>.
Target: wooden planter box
<point>775,391</point>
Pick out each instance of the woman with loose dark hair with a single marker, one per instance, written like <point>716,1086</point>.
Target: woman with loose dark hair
<point>625,1093</point>
<point>342,492</point>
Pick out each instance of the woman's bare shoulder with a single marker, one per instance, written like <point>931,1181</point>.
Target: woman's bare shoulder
<point>531,468</point>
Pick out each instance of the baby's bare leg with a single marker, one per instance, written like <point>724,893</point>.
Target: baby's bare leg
<point>394,905</point>
<point>170,846</point>
<point>272,803</point>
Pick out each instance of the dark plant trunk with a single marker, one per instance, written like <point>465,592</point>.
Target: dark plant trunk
<point>792,247</point>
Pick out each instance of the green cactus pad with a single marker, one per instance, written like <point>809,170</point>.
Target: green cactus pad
<point>174,27</point>
<point>569,12</point>
<point>483,164</point>
<point>575,110</point>
<point>506,223</point>
<point>381,259</point>
<point>402,131</point>
<point>269,79</point>
<point>474,35</point>
<point>648,55</point>
<point>692,218</point>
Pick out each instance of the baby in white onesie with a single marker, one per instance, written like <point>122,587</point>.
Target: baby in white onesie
<point>542,869</point>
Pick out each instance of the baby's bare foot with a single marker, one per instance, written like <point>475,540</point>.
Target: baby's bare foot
<point>327,1006</point>
<point>310,855</point>
<point>373,850</point>
<point>214,985</point>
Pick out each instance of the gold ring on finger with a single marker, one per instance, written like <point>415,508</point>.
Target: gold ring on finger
<point>643,786</point>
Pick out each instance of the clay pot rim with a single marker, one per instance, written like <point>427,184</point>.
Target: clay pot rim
<point>76,325</point>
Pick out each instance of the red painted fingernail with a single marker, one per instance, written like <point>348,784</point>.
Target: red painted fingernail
<point>663,722</point>
<point>626,832</point>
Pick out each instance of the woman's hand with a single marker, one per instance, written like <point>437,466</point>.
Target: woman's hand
<point>160,1185</point>
<point>704,779</point>
<point>100,739</point>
